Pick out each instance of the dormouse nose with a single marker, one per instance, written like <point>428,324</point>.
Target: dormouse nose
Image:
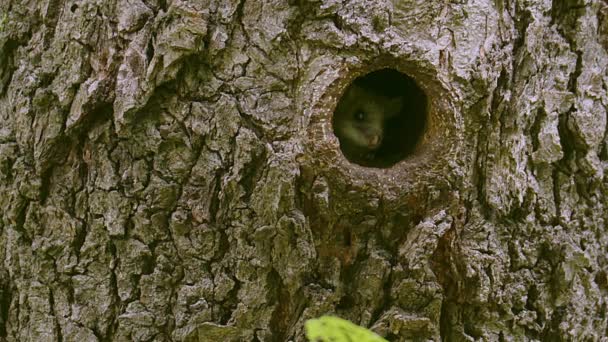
<point>373,141</point>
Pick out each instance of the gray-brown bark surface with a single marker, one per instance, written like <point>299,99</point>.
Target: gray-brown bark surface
<point>168,171</point>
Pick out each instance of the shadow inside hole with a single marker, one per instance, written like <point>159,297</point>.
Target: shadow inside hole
<point>380,118</point>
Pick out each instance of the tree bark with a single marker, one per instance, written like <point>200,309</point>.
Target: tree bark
<point>169,172</point>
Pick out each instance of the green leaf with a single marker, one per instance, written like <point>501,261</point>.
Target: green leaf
<point>334,329</point>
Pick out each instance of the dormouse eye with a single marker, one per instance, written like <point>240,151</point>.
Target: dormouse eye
<point>359,115</point>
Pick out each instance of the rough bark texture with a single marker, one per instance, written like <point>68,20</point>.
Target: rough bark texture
<point>168,171</point>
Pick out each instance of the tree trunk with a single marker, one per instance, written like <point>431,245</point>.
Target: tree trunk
<point>169,171</point>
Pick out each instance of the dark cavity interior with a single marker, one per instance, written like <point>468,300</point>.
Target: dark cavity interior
<point>401,133</point>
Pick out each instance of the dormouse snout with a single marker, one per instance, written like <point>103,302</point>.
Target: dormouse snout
<point>374,141</point>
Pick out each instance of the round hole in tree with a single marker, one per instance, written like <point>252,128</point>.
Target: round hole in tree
<point>380,118</point>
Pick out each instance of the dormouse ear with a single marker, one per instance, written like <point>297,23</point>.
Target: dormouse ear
<point>394,106</point>
<point>353,92</point>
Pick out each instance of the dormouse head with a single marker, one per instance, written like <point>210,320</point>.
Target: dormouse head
<point>361,116</point>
